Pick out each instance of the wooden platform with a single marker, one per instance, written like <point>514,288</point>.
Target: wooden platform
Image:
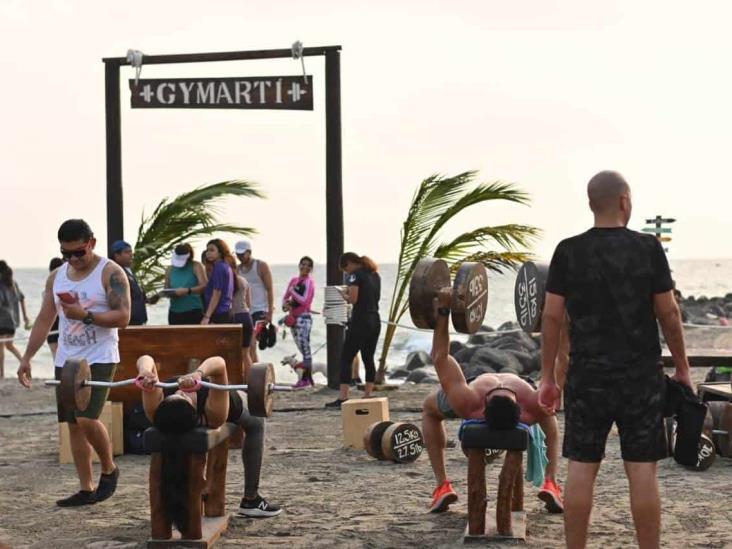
<point>518,530</point>
<point>212,528</point>
<point>701,358</point>
<point>720,389</point>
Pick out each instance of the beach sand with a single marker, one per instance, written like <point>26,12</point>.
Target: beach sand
<point>332,496</point>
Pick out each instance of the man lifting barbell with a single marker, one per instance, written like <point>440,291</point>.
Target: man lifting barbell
<point>502,400</point>
<point>177,410</point>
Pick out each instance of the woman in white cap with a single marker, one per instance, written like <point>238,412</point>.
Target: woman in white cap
<point>188,278</point>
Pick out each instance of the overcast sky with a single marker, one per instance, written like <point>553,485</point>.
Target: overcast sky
<point>543,94</point>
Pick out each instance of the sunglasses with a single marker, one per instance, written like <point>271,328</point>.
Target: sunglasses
<point>81,252</point>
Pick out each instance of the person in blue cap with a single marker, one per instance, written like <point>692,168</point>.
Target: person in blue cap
<point>121,254</point>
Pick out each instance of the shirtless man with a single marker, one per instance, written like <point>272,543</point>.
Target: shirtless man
<point>502,400</point>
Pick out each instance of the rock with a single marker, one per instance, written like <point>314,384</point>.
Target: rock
<point>417,359</point>
<point>399,373</point>
<point>480,338</point>
<point>478,369</point>
<point>420,375</point>
<point>486,328</point>
<point>508,326</point>
<point>528,362</point>
<point>456,346</point>
<point>466,353</point>
<point>517,341</point>
<point>495,358</point>
<point>518,370</point>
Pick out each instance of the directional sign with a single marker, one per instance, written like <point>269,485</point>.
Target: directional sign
<point>250,92</point>
<point>662,220</point>
<point>657,230</point>
<point>665,239</point>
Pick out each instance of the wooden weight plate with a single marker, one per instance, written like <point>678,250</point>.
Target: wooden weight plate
<point>706,455</point>
<point>402,442</point>
<point>372,438</point>
<point>469,297</point>
<point>430,275</point>
<point>74,395</point>
<point>528,295</point>
<point>259,397</point>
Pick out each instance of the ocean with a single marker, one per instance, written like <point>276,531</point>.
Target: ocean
<point>693,277</point>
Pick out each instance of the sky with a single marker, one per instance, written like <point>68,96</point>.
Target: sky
<point>541,94</point>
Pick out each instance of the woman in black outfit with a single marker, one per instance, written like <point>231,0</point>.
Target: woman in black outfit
<point>362,332</point>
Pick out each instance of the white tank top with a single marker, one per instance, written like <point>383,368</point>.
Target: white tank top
<point>78,340</point>
<point>259,292</point>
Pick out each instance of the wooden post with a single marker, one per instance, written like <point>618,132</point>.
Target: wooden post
<point>160,527</point>
<point>218,457</point>
<point>476,492</point>
<point>517,502</point>
<point>115,221</point>
<point>196,484</point>
<point>506,481</point>
<point>333,201</point>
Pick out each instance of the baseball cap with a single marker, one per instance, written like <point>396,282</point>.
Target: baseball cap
<point>119,246</point>
<point>242,246</point>
<point>179,260</point>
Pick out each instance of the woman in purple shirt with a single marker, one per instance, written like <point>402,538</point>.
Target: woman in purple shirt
<point>221,283</point>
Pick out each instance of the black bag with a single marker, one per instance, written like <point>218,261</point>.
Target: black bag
<point>689,412</point>
<point>134,426</point>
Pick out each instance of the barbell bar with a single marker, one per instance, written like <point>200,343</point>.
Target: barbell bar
<point>170,385</point>
<point>469,294</point>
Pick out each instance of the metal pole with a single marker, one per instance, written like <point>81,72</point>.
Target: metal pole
<point>333,201</point>
<point>115,223</point>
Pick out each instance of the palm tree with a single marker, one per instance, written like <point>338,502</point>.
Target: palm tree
<point>439,199</point>
<point>183,218</point>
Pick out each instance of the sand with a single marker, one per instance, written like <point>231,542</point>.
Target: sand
<point>332,496</point>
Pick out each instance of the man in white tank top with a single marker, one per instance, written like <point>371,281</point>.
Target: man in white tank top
<point>91,296</point>
<point>259,277</point>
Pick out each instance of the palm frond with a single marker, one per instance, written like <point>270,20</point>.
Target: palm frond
<point>508,237</point>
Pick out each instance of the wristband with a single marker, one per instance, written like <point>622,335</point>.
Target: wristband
<point>189,291</point>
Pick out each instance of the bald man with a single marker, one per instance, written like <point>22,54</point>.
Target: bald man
<point>614,284</point>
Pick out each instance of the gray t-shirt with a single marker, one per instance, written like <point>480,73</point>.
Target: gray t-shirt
<point>10,299</point>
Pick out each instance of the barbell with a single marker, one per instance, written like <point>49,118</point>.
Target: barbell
<point>469,294</point>
<point>75,385</point>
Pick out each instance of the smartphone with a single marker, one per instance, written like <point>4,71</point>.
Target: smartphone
<point>67,297</point>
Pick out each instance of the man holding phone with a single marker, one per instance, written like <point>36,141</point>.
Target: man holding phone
<point>91,296</point>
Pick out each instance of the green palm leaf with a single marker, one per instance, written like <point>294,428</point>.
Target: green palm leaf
<point>186,217</point>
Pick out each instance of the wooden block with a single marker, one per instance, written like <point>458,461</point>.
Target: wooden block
<point>112,419</point>
<point>518,530</point>
<point>212,528</point>
<point>358,414</point>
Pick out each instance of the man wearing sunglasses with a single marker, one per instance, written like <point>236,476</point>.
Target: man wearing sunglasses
<point>91,296</point>
<point>501,400</point>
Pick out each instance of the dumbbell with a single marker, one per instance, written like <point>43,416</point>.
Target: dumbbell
<point>76,384</point>
<point>400,442</point>
<point>469,294</point>
<point>528,295</point>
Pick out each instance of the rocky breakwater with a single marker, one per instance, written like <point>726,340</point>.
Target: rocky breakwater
<point>707,311</point>
<point>505,350</point>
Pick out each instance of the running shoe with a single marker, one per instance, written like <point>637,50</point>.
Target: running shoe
<point>442,497</point>
<point>82,497</point>
<point>551,495</point>
<point>336,403</point>
<point>107,485</point>
<point>302,384</point>
<point>258,507</point>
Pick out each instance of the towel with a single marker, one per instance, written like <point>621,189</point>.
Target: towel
<point>536,459</point>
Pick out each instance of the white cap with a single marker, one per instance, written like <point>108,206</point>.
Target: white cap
<point>242,246</point>
<point>179,260</point>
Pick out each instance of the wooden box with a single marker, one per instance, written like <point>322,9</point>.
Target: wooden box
<point>111,416</point>
<point>358,414</point>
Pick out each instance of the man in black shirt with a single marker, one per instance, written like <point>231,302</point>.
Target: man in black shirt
<point>122,255</point>
<point>614,284</point>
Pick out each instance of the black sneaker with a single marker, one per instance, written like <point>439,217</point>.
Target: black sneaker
<point>336,403</point>
<point>107,485</point>
<point>271,335</point>
<point>82,497</point>
<point>258,507</point>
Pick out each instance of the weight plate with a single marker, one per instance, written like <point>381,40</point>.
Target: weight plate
<point>402,442</point>
<point>260,400</point>
<point>469,297</point>
<point>372,438</point>
<point>528,295</point>
<point>74,395</point>
<point>430,275</point>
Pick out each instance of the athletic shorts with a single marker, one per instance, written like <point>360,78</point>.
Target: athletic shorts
<point>629,395</point>
<point>99,372</point>
<point>245,319</point>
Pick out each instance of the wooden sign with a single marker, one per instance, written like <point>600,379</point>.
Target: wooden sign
<point>664,238</point>
<point>661,220</point>
<point>250,92</point>
<point>657,230</point>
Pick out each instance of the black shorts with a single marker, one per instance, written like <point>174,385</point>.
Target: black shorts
<point>629,395</point>
<point>245,319</point>
<point>183,318</point>
<point>6,332</point>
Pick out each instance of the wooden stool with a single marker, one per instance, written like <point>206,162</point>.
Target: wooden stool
<point>508,520</point>
<point>207,456</point>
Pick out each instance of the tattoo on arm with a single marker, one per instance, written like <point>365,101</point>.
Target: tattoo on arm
<point>118,294</point>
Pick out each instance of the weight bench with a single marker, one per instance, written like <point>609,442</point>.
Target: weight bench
<point>508,520</point>
<point>208,451</point>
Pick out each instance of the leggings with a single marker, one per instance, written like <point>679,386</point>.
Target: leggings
<point>362,335</point>
<point>301,334</point>
<point>253,449</point>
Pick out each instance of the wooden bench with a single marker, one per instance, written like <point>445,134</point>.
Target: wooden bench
<point>508,520</point>
<point>207,456</point>
<point>700,358</point>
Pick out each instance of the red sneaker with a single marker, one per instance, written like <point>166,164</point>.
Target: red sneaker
<point>442,497</point>
<point>551,495</point>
